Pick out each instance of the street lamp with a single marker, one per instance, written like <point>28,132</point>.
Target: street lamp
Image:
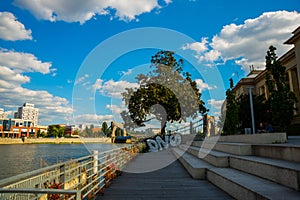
<point>251,107</point>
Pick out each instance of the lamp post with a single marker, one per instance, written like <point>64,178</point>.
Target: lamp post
<point>251,107</point>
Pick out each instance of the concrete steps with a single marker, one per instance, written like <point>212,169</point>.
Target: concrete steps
<point>241,185</point>
<point>196,167</point>
<point>283,172</point>
<point>215,158</point>
<point>226,147</point>
<point>244,176</point>
<point>278,151</point>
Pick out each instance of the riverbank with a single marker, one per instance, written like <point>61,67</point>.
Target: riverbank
<point>53,140</point>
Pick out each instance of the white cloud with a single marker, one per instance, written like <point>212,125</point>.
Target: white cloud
<point>126,73</point>
<point>113,88</point>
<point>116,109</point>
<point>82,11</point>
<point>217,104</point>
<point>199,47</point>
<point>23,62</point>
<point>210,56</point>
<point>81,79</point>
<point>6,74</point>
<point>203,86</point>
<point>50,107</point>
<point>92,118</point>
<point>11,29</point>
<point>13,94</point>
<point>247,43</point>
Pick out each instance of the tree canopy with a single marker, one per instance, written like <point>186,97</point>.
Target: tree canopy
<point>166,93</point>
<point>281,99</point>
<point>56,131</point>
<point>232,111</point>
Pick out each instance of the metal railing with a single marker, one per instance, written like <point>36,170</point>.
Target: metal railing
<point>75,179</point>
<point>191,128</point>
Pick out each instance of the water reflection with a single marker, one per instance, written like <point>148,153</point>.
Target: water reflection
<point>17,159</point>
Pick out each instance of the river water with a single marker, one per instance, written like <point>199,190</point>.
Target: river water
<point>16,159</point>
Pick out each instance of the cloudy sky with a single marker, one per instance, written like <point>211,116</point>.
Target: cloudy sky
<point>73,58</point>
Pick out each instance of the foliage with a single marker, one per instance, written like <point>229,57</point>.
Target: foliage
<point>281,99</point>
<point>40,133</point>
<point>56,131</point>
<point>105,128</point>
<point>232,111</point>
<point>166,93</point>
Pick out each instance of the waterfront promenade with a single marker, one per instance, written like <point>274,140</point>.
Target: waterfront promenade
<point>169,182</point>
<point>54,140</point>
<point>262,167</point>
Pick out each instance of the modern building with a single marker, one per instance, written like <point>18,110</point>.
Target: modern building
<point>28,112</point>
<point>256,78</point>
<point>22,125</point>
<point>16,128</point>
<point>2,113</point>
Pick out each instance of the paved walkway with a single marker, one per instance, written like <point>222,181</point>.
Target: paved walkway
<point>169,181</point>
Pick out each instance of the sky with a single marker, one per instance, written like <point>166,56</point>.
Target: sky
<point>73,58</point>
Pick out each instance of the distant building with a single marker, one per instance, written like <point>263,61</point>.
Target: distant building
<point>3,114</point>
<point>71,131</point>
<point>16,128</point>
<point>22,125</point>
<point>28,112</point>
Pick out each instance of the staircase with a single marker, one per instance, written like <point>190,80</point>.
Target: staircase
<point>245,171</point>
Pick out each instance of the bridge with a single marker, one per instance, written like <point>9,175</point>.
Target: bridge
<point>251,166</point>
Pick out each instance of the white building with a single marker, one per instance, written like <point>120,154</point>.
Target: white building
<point>28,112</point>
<point>3,115</point>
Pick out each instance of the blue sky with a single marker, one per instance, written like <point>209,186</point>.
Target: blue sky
<point>52,52</point>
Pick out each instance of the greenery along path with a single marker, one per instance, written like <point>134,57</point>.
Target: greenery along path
<point>170,182</point>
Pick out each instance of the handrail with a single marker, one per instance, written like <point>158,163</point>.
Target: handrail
<point>83,176</point>
<point>41,191</point>
<point>6,181</point>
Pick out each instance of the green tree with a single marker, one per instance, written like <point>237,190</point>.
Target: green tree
<point>39,133</point>
<point>166,92</point>
<point>105,128</point>
<point>281,98</point>
<point>232,111</point>
<point>56,131</point>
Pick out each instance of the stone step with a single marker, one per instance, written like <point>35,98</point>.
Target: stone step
<point>242,186</point>
<point>217,159</point>
<point>289,152</point>
<point>262,138</point>
<point>195,166</point>
<point>227,147</point>
<point>283,172</point>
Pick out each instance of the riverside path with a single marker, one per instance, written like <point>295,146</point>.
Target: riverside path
<point>159,175</point>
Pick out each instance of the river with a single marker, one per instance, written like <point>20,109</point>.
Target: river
<point>17,159</point>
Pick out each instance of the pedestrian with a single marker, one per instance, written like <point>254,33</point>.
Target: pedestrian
<point>261,128</point>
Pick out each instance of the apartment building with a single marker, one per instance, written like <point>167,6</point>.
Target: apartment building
<point>28,112</point>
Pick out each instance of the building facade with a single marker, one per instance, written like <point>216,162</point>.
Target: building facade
<point>17,128</point>
<point>28,112</point>
<point>256,78</point>
<point>2,113</point>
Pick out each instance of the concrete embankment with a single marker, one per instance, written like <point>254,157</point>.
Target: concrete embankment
<point>53,140</point>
